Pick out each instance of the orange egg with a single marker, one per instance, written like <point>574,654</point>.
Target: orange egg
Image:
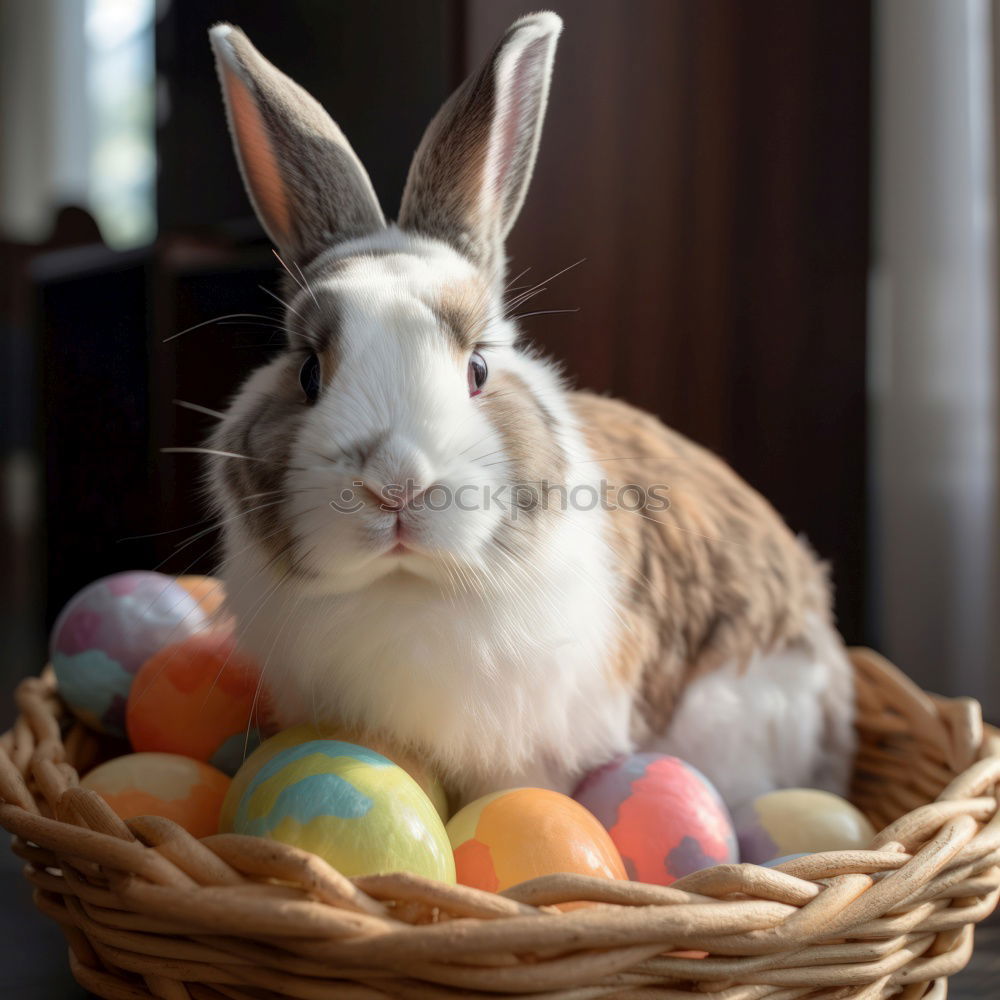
<point>523,833</point>
<point>206,590</point>
<point>197,698</point>
<point>162,784</point>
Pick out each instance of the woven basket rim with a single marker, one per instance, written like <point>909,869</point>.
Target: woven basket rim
<point>149,911</point>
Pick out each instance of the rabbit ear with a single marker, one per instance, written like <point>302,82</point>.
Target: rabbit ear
<point>470,174</point>
<point>306,183</point>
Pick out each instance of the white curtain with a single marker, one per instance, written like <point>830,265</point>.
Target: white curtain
<point>44,114</point>
<point>77,102</point>
<point>933,390</point>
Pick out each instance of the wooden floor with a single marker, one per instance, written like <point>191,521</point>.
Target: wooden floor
<point>981,978</point>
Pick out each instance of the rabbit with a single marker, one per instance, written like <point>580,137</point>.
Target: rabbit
<point>429,537</point>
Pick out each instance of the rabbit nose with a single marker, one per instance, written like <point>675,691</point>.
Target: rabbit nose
<point>396,472</point>
<point>392,496</point>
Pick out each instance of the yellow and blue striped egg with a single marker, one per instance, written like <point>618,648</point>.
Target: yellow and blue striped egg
<point>305,732</point>
<point>349,805</point>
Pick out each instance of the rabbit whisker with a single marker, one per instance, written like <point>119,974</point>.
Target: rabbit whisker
<point>198,408</point>
<point>215,319</point>
<point>305,281</point>
<point>190,450</point>
<point>278,298</point>
<point>518,277</point>
<point>287,271</point>
<point>545,312</point>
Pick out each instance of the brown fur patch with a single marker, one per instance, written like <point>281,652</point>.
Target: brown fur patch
<point>317,324</point>
<point>713,578</point>
<point>265,434</point>
<point>461,310</point>
<point>536,458</point>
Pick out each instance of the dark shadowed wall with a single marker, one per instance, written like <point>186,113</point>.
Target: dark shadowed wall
<point>710,160</point>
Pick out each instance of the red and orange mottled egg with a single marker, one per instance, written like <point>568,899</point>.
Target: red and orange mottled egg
<point>199,698</point>
<point>664,816</point>
<point>522,833</point>
<point>162,784</point>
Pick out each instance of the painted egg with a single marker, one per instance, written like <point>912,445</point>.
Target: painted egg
<point>107,632</point>
<point>799,821</point>
<point>208,591</point>
<point>665,817</point>
<point>777,862</point>
<point>431,786</point>
<point>522,833</point>
<point>200,698</point>
<point>162,784</point>
<point>351,806</point>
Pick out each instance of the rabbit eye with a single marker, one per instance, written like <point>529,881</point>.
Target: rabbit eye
<point>477,373</point>
<point>309,377</point>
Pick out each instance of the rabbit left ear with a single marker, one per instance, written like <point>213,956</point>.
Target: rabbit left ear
<point>307,185</point>
<point>471,172</point>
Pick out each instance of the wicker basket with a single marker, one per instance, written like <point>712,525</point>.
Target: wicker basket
<point>149,911</point>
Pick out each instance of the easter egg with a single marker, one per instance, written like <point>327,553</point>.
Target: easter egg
<point>200,698</point>
<point>522,833</point>
<point>107,632</point>
<point>431,786</point>
<point>799,821</point>
<point>351,806</point>
<point>208,591</point>
<point>777,862</point>
<point>162,784</point>
<point>664,816</point>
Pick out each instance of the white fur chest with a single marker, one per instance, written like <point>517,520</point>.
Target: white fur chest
<point>501,688</point>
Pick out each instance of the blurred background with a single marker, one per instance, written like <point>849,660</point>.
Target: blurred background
<point>788,213</point>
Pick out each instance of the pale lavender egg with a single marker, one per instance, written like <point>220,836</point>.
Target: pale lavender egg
<point>795,821</point>
<point>105,634</point>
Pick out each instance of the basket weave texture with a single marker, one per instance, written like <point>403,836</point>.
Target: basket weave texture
<point>149,911</point>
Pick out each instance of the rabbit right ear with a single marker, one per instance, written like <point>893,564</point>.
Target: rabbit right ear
<point>470,175</point>
<point>306,183</point>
